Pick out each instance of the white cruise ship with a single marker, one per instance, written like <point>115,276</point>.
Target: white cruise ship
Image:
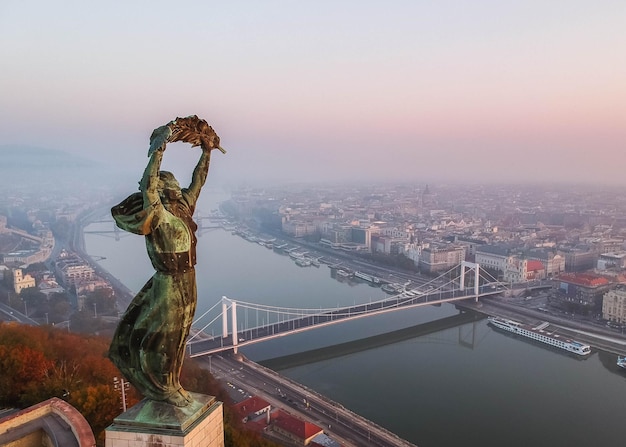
<point>539,334</point>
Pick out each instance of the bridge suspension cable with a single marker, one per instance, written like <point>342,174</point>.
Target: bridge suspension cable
<point>273,320</point>
<point>206,325</point>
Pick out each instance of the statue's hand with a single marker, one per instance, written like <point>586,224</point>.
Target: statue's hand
<point>208,148</point>
<point>159,138</point>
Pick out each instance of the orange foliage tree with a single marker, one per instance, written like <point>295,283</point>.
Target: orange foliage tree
<point>23,369</point>
<point>38,363</point>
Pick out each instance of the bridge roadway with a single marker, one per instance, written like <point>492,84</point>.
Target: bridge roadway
<point>207,345</point>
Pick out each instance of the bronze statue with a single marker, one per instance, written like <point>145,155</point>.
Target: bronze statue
<point>149,344</point>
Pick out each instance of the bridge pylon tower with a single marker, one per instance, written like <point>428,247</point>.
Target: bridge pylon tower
<point>226,303</point>
<point>472,266</point>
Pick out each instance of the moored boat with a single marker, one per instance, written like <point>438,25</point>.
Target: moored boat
<point>367,277</point>
<point>391,289</point>
<point>539,333</point>
<point>297,254</point>
<point>302,262</point>
<point>343,273</point>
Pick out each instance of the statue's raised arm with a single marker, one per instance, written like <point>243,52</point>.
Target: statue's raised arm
<point>190,130</point>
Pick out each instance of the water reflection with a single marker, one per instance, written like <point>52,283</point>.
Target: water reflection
<point>458,321</point>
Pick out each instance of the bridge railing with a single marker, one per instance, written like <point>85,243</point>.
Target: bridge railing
<point>275,319</point>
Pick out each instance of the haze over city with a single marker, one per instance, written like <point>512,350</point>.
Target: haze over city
<point>327,91</point>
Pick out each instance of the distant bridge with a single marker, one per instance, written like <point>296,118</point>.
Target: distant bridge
<point>281,321</point>
<point>205,223</point>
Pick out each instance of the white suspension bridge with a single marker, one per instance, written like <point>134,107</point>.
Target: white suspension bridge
<point>268,322</point>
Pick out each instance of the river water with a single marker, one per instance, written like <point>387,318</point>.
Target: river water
<point>468,385</point>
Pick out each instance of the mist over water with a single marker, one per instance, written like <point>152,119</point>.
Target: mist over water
<point>469,385</point>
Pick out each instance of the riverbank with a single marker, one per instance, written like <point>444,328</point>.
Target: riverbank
<point>122,293</point>
<point>593,335</point>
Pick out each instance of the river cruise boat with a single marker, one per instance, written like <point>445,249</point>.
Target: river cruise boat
<point>538,333</point>
<point>366,277</point>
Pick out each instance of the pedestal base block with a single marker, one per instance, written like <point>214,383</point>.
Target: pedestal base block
<point>158,424</point>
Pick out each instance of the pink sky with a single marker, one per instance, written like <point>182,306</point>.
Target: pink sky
<point>422,91</point>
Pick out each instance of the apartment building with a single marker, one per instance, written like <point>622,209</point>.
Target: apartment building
<point>614,305</point>
<point>582,292</point>
<point>495,257</point>
<point>439,258</point>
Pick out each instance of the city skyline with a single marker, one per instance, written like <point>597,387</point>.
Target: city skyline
<point>449,91</point>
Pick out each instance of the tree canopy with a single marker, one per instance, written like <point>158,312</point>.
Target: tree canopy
<point>38,363</point>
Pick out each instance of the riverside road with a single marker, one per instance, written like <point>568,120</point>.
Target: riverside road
<point>339,422</point>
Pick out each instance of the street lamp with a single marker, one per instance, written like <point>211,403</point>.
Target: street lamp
<point>121,385</point>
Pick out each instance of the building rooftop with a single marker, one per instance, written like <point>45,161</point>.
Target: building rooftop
<point>584,279</point>
<point>301,429</point>
<point>250,406</point>
<point>533,265</point>
<point>52,422</point>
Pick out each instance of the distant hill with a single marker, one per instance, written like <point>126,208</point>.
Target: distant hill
<point>26,157</point>
<point>22,166</point>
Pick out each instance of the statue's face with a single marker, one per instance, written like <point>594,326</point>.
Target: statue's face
<point>169,190</point>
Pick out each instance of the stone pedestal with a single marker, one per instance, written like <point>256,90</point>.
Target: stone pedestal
<point>158,424</point>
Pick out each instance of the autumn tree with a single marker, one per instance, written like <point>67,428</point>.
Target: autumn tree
<point>84,321</point>
<point>37,363</point>
<point>22,369</point>
<point>33,298</point>
<point>36,267</point>
<point>99,404</point>
<point>60,308</point>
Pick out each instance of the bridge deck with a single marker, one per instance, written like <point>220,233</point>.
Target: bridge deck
<point>207,344</point>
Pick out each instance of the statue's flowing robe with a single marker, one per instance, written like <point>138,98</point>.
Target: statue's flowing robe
<point>149,344</point>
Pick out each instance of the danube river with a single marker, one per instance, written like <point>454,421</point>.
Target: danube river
<point>469,385</point>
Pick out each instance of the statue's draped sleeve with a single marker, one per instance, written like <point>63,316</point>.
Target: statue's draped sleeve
<point>170,240</point>
<point>130,215</point>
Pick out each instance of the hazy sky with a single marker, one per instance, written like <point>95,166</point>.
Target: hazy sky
<point>320,90</point>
